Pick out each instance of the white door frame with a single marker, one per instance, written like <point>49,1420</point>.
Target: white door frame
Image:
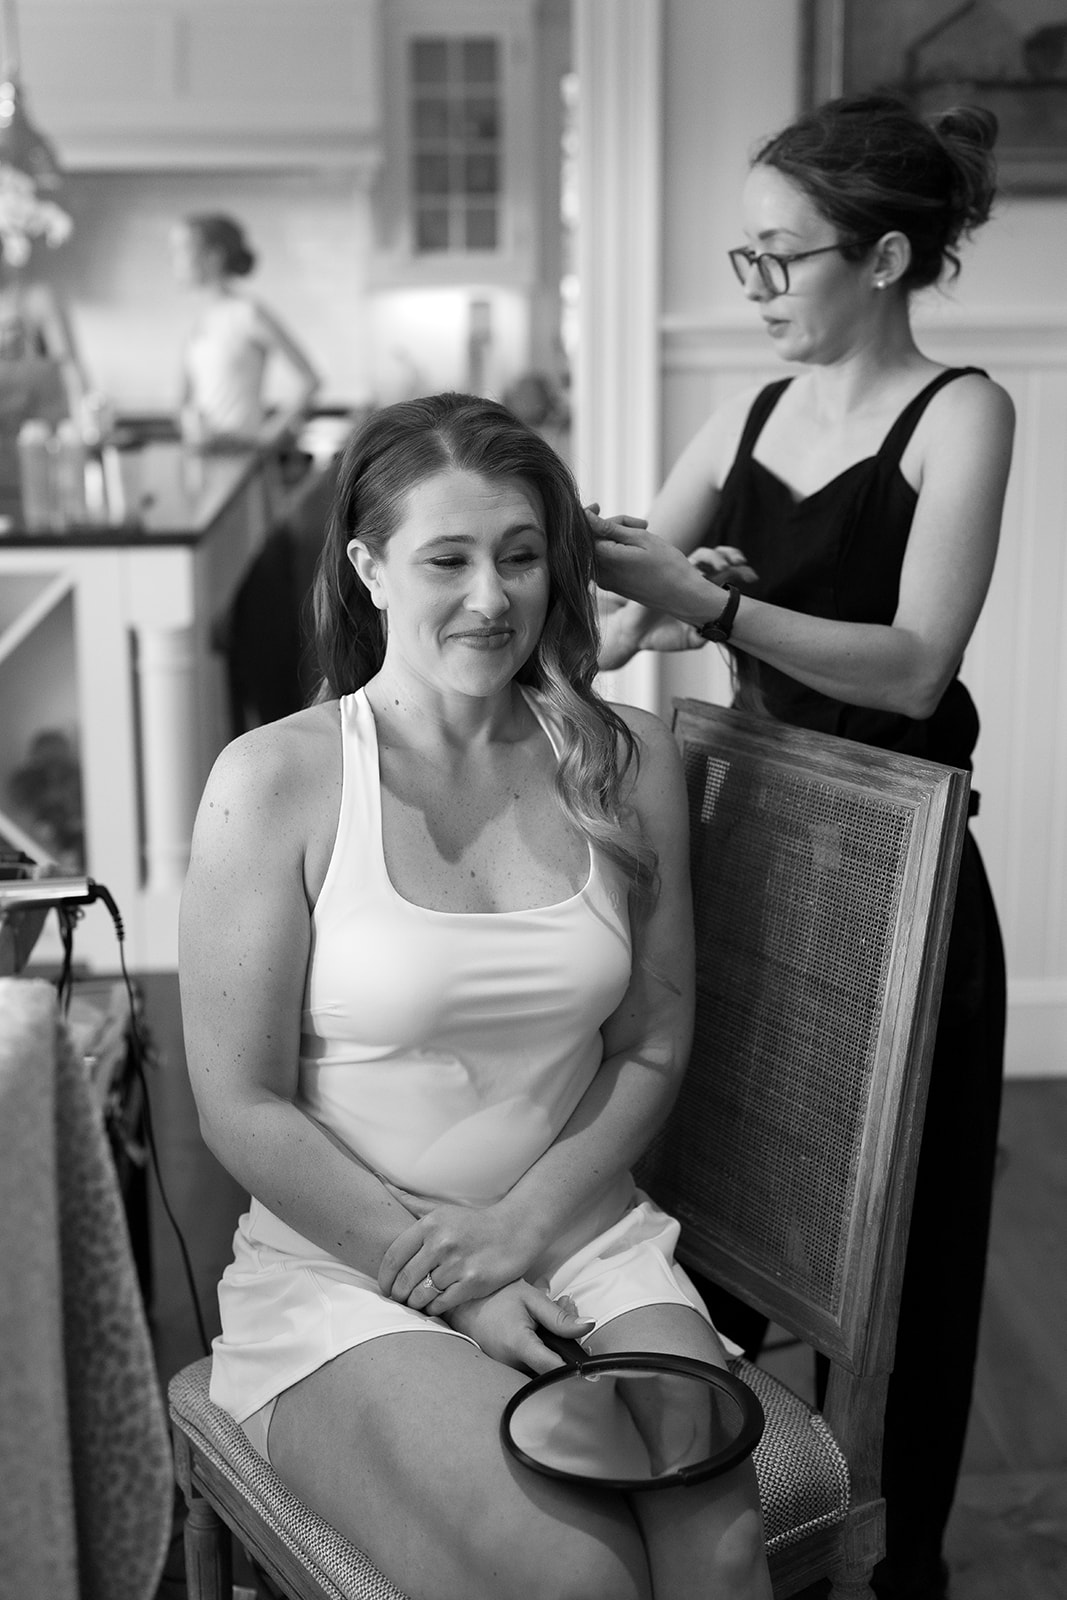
<point>618,54</point>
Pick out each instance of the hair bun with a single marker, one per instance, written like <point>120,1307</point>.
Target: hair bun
<point>967,135</point>
<point>973,125</point>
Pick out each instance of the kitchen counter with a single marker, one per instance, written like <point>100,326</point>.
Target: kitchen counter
<point>171,495</point>
<point>107,633</point>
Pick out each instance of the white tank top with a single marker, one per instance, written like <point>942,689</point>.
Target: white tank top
<point>225,359</point>
<point>447,1049</point>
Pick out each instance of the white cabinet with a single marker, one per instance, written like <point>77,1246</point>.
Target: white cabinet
<point>106,639</point>
<point>139,84</point>
<point>458,198</point>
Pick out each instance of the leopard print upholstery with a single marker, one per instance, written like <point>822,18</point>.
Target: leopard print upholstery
<point>87,1507</point>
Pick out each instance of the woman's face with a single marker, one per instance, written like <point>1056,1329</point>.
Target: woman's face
<point>830,304</point>
<point>463,582</point>
<point>191,263</point>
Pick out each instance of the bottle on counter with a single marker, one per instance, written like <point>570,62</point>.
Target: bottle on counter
<point>96,419</point>
<point>95,489</point>
<point>68,473</point>
<point>35,476</point>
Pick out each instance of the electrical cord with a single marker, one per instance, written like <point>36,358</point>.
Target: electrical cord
<point>138,1048</point>
<point>65,981</point>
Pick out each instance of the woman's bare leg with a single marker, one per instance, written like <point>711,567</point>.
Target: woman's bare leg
<point>397,1444</point>
<point>704,1542</point>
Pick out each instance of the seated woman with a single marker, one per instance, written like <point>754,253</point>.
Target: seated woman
<point>436,969</point>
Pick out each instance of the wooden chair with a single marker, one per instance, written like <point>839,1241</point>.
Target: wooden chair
<point>824,875</point>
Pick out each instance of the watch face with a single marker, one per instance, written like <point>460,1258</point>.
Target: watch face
<point>718,632</point>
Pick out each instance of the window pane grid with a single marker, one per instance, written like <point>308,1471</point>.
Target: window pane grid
<point>457,143</point>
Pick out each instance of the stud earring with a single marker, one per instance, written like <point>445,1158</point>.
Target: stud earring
<point>880,283</point>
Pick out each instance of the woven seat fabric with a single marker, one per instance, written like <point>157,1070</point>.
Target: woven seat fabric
<point>803,1476</point>
<point>325,1553</point>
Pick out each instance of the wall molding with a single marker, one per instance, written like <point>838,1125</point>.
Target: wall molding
<point>721,340</point>
<point>1037,1028</point>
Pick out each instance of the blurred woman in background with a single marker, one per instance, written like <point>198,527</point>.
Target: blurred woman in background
<point>233,340</point>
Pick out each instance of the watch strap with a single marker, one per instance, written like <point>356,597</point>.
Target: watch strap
<point>719,631</point>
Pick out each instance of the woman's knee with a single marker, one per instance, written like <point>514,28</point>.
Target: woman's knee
<point>739,1552</point>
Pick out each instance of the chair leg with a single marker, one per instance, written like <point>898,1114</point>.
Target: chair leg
<point>850,1588</point>
<point>208,1552</point>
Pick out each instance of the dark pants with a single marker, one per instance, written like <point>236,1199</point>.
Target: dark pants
<point>937,1336</point>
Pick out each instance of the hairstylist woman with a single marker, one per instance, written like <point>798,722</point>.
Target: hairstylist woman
<point>855,511</point>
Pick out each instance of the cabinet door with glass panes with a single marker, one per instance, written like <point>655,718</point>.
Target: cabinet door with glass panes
<point>459,184</point>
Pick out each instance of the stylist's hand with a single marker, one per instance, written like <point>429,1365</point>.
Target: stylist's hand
<point>506,1325</point>
<point>724,564</point>
<point>468,1251</point>
<point>626,631</point>
<point>626,627</point>
<point>632,561</point>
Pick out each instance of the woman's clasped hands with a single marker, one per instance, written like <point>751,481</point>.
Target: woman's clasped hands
<point>466,1264</point>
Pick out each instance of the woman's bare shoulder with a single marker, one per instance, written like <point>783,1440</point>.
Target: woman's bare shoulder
<point>280,766</point>
<point>973,397</point>
<point>658,762</point>
<point>969,423</point>
<point>645,726</point>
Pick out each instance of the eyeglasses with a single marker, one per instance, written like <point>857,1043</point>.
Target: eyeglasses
<point>774,269</point>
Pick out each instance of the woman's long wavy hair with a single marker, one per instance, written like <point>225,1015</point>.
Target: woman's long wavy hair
<point>402,446</point>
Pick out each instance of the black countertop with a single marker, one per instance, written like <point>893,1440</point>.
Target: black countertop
<point>173,495</point>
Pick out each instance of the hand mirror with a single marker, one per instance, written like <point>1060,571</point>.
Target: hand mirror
<point>633,1421</point>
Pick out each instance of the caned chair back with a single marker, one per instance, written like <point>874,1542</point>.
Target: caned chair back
<point>823,879</point>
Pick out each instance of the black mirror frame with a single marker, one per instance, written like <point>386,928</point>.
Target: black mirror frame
<point>732,1455</point>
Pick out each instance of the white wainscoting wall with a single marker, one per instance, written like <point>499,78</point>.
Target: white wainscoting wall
<point>1016,667</point>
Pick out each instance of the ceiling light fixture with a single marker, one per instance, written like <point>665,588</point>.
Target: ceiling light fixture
<point>22,145</point>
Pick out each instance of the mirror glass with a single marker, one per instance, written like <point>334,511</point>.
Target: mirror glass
<point>634,1421</point>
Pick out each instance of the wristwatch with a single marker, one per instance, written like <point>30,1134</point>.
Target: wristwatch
<point>719,631</point>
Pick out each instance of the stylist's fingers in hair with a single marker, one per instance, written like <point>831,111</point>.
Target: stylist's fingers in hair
<point>724,564</point>
<point>604,527</point>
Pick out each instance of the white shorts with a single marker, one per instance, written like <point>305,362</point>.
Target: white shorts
<point>283,1318</point>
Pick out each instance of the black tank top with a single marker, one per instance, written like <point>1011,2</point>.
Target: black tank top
<point>836,553</point>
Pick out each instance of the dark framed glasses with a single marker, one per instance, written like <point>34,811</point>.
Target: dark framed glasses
<point>774,269</point>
